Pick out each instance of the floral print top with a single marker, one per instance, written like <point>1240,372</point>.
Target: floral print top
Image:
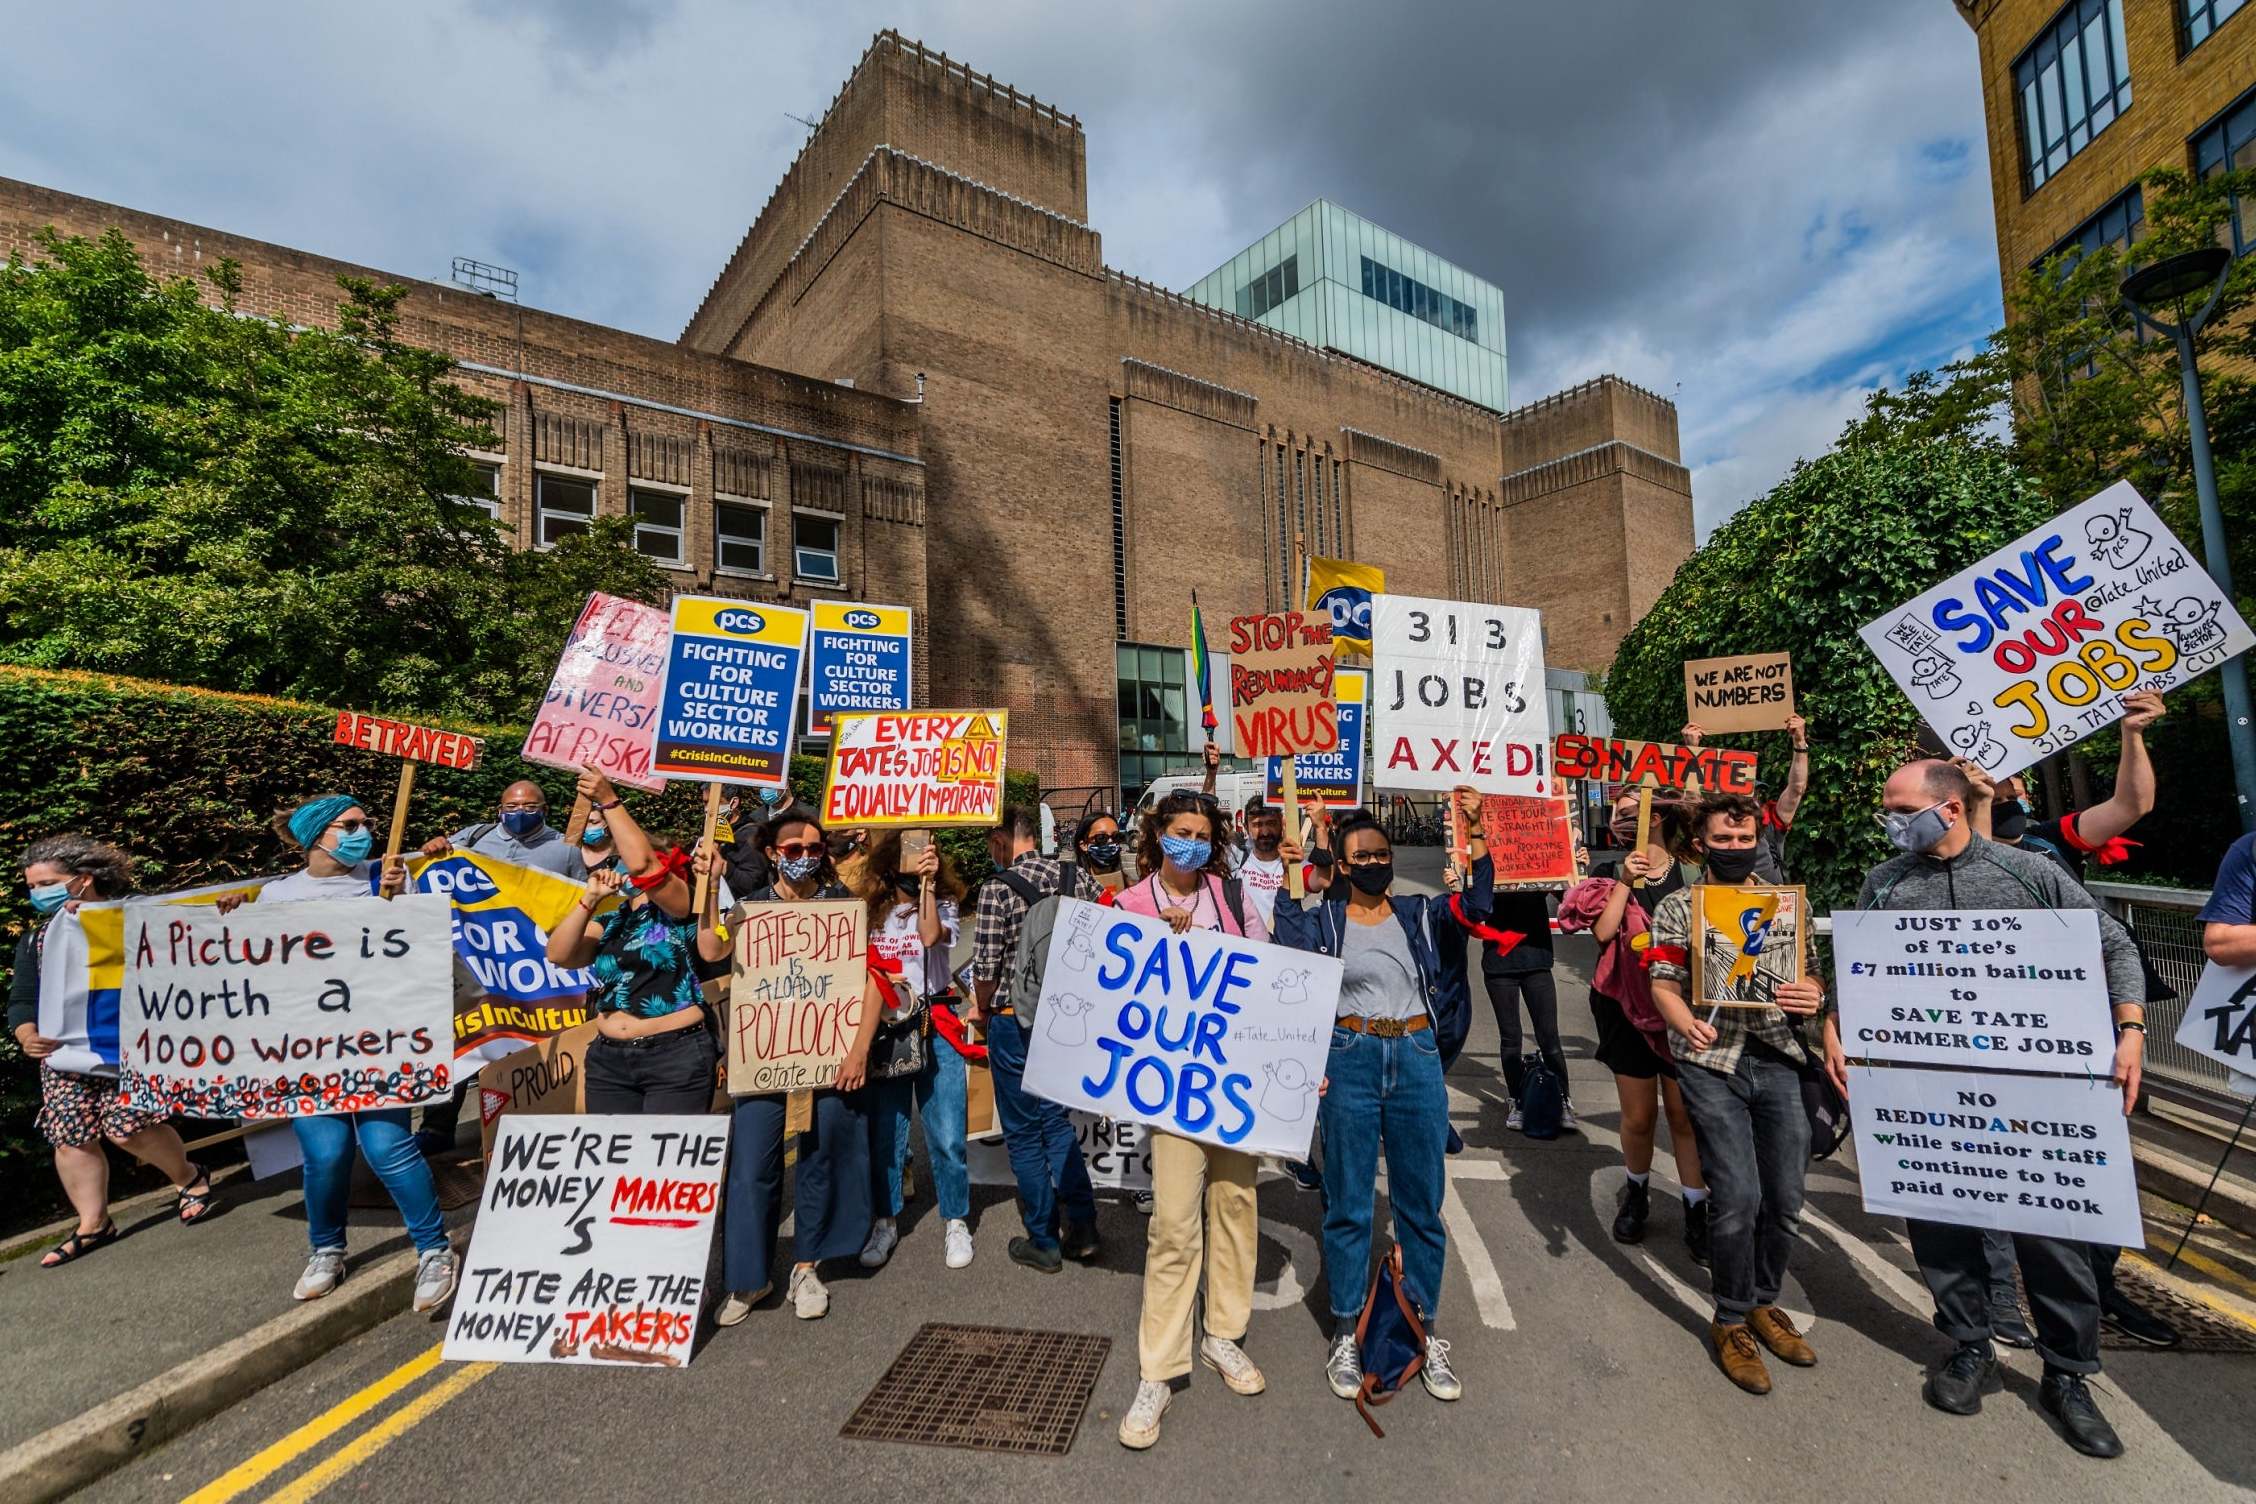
<point>646,963</point>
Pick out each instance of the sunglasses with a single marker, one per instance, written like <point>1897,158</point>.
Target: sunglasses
<point>352,827</point>
<point>794,850</point>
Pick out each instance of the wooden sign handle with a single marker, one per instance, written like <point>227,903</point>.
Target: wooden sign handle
<point>581,807</point>
<point>1644,826</point>
<point>704,886</point>
<point>1294,888</point>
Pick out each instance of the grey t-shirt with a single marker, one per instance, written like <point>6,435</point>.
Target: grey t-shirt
<point>545,848</point>
<point>1382,977</point>
<point>353,882</point>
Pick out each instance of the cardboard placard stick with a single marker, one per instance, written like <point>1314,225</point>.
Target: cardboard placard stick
<point>581,807</point>
<point>1293,886</point>
<point>704,888</point>
<point>1644,825</point>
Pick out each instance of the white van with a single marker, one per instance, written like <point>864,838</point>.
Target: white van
<point>1232,789</point>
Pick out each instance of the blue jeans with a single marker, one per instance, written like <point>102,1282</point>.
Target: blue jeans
<point>1045,1153</point>
<point>830,1208</point>
<point>1753,1134</point>
<point>1384,1089</point>
<point>939,1091</point>
<point>390,1149</point>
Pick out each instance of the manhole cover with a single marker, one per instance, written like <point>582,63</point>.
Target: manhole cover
<point>991,1388</point>
<point>2201,1329</point>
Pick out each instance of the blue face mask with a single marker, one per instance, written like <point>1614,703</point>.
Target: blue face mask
<point>48,897</point>
<point>1188,854</point>
<point>593,835</point>
<point>799,868</point>
<point>771,797</point>
<point>353,846</point>
<point>522,822</point>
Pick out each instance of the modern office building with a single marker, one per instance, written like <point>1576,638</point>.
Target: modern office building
<point>1341,283</point>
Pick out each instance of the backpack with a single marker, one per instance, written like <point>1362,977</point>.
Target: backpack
<point>1543,1100</point>
<point>1032,956</point>
<point>1390,1338</point>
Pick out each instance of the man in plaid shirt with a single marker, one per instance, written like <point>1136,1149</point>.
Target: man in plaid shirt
<point>1742,1082</point>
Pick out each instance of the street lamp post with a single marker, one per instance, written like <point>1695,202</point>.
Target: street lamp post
<point>2170,282</point>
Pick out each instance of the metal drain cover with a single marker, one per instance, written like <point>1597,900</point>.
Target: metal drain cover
<point>990,1388</point>
<point>2204,1330</point>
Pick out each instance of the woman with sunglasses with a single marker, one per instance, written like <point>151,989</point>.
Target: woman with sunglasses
<point>1096,848</point>
<point>831,1213</point>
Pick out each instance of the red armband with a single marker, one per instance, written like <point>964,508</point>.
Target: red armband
<point>1665,955</point>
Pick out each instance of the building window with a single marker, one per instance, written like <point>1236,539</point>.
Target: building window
<point>740,539</point>
<point>2230,146</point>
<point>2121,222</point>
<point>814,547</point>
<point>2071,83</point>
<point>2203,17</point>
<point>658,524</point>
<point>567,506</point>
<point>1420,301</point>
<point>1155,719</point>
<point>1270,288</point>
<point>486,494</point>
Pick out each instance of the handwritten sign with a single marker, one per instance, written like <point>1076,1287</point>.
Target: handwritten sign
<point>1665,765</point>
<point>1203,1034</point>
<point>1750,693</point>
<point>1995,990</point>
<point>797,997</point>
<point>1332,779</point>
<point>370,733</point>
<point>2033,649</point>
<point>592,1241</point>
<point>916,768</point>
<point>1459,696</point>
<point>2220,1019</point>
<point>730,692</point>
<point>545,1077</point>
<point>858,658</point>
<point>1281,684</point>
<point>603,697</point>
<point>2038,1154</point>
<point>1531,841</point>
<point>287,1009</point>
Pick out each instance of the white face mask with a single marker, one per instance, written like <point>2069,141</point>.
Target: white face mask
<point>1916,833</point>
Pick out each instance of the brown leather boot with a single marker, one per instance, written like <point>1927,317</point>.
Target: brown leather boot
<point>1775,1329</point>
<point>1741,1359</point>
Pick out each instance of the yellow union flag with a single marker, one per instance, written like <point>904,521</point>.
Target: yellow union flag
<point>1343,591</point>
<point>1743,921</point>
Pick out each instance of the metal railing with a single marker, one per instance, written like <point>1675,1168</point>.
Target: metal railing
<point>2162,918</point>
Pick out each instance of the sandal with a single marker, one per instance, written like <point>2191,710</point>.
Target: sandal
<point>79,1244</point>
<point>196,1205</point>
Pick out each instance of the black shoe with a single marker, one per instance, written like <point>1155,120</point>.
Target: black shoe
<point>1045,1260</point>
<point>2119,1313</point>
<point>1957,1386</point>
<point>1081,1242</point>
<point>1304,1175</point>
<point>1629,1222</point>
<point>1455,1144</point>
<point>2008,1326</point>
<point>1696,1230</point>
<point>2066,1400</point>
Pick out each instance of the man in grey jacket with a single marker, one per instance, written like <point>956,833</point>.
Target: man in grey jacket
<point>1946,866</point>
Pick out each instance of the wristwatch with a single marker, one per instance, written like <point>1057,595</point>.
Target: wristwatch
<point>2131,1023</point>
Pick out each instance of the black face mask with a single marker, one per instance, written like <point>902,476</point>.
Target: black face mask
<point>1736,865</point>
<point>2011,822</point>
<point>1104,856</point>
<point>1372,880</point>
<point>911,883</point>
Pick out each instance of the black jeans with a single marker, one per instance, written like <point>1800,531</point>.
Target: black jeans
<point>1754,1149</point>
<point>2061,1278</point>
<point>1997,1251</point>
<point>1506,989</point>
<point>661,1073</point>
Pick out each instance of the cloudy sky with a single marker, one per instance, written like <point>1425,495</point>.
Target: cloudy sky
<point>1760,207</point>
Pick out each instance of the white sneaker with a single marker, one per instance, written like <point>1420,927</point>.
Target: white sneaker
<point>1139,1428</point>
<point>1143,1200</point>
<point>1343,1370</point>
<point>434,1279</point>
<point>884,1237</point>
<point>810,1297</point>
<point>739,1305</point>
<point>958,1243</point>
<point>323,1273</point>
<point>1567,1118</point>
<point>1229,1360</point>
<point>1512,1119</point>
<point>1441,1379</point>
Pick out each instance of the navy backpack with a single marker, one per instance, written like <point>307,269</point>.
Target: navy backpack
<point>1543,1100</point>
<point>1391,1338</point>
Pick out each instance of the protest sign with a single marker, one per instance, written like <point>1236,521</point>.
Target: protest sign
<point>1994,990</point>
<point>2049,1155</point>
<point>1343,591</point>
<point>729,693</point>
<point>1117,1152</point>
<point>414,746</point>
<point>801,972</point>
<point>916,768</point>
<point>1331,779</point>
<point>1664,765</point>
<point>858,658</point>
<point>1531,841</point>
<point>287,1009</point>
<point>1458,696</point>
<point>545,1077</point>
<point>2032,649</point>
<point>592,1241</point>
<point>603,697</point>
<point>1203,1034</point>
<point>1742,935</point>
<point>2220,1018</point>
<point>1281,684</point>
<point>1754,692</point>
<point>502,917</point>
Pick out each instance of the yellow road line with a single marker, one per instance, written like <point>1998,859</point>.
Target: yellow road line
<point>381,1435</point>
<point>2193,1291</point>
<point>323,1426</point>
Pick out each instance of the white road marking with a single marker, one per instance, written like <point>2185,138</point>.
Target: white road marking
<point>1480,1269</point>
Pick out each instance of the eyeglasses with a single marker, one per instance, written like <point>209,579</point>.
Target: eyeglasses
<point>795,850</point>
<point>352,827</point>
<point>1371,859</point>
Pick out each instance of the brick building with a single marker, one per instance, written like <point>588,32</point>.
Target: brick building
<point>917,382</point>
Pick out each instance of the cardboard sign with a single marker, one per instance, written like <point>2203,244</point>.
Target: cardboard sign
<point>2220,1018</point>
<point>2017,991</point>
<point>1281,684</point>
<point>1332,779</point>
<point>287,1009</point>
<point>2033,649</point>
<point>548,1077</point>
<point>502,917</point>
<point>858,658</point>
<point>2048,1155</point>
<point>448,749</point>
<point>1531,841</point>
<point>1745,941</point>
<point>730,692</point>
<point>1117,1153</point>
<point>1203,1034</point>
<point>1750,693</point>
<point>592,1241</point>
<point>603,697</point>
<point>917,768</point>
<point>1458,697</point>
<point>801,973</point>
<point>1661,765</point>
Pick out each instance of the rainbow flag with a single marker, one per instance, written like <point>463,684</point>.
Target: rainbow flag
<point>1202,668</point>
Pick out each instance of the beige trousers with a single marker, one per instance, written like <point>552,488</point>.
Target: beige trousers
<point>1203,1211</point>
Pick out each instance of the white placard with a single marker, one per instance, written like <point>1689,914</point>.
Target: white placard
<point>1203,1034</point>
<point>1457,697</point>
<point>287,1009</point>
<point>2035,1154</point>
<point>1117,1153</point>
<point>592,1241</point>
<point>2032,649</point>
<point>2014,991</point>
<point>2220,1018</point>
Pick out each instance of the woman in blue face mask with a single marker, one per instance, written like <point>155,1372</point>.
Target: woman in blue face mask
<point>78,1110</point>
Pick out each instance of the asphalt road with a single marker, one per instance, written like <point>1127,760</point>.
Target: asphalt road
<point>1585,1367</point>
